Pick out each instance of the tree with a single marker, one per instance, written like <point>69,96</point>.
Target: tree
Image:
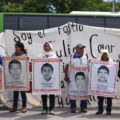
<point>36,6</point>
<point>83,5</point>
<point>76,5</point>
<point>58,6</point>
<point>11,5</point>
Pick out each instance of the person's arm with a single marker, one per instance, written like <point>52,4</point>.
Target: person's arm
<point>66,72</point>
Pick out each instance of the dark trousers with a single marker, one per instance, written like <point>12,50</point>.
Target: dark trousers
<point>100,104</point>
<point>52,102</point>
<point>16,96</point>
<point>83,104</point>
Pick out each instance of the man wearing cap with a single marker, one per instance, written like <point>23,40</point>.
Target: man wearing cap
<point>79,59</point>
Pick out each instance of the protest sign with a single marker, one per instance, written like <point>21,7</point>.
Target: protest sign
<point>46,76</point>
<point>16,74</point>
<point>78,83</point>
<point>102,78</point>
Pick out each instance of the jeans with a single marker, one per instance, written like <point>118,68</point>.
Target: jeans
<point>83,104</point>
<point>52,102</point>
<point>16,96</point>
<point>100,104</point>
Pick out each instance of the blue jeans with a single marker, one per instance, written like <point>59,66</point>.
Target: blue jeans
<point>16,96</point>
<point>100,104</point>
<point>83,104</point>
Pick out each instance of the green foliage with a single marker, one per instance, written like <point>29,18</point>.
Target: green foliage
<point>58,6</point>
<point>36,6</point>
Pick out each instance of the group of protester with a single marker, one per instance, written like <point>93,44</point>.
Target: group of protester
<point>79,58</point>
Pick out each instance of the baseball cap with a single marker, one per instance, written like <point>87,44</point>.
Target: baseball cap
<point>79,46</point>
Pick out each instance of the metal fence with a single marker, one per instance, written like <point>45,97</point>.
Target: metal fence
<point>37,22</point>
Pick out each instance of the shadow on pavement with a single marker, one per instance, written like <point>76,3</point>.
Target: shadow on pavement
<point>61,113</point>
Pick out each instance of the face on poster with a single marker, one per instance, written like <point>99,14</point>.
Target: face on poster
<point>46,75</point>
<point>47,72</point>
<point>15,69</point>
<point>16,73</point>
<point>78,85</point>
<point>103,77</point>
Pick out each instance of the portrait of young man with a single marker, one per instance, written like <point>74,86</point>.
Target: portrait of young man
<point>80,81</point>
<point>15,69</point>
<point>47,71</point>
<point>102,81</point>
<point>103,73</point>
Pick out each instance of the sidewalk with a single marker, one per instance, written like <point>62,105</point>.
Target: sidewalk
<point>60,114</point>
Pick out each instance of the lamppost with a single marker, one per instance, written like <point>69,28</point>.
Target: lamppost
<point>113,6</point>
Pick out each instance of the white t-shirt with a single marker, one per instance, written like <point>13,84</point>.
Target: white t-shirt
<point>79,62</point>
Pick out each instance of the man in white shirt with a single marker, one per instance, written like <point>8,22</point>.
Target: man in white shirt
<point>79,59</point>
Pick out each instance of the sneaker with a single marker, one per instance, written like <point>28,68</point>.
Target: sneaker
<point>44,112</point>
<point>99,112</point>
<point>108,113</point>
<point>13,109</point>
<point>51,112</point>
<point>24,109</point>
<point>84,110</point>
<point>73,110</point>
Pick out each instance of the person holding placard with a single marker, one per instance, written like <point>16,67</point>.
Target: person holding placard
<point>79,59</point>
<point>103,73</point>
<point>47,70</point>
<point>15,70</point>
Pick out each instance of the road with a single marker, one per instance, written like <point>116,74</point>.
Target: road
<point>60,114</point>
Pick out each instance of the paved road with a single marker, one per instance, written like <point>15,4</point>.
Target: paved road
<point>60,114</point>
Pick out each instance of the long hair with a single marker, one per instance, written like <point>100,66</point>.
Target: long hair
<point>21,45</point>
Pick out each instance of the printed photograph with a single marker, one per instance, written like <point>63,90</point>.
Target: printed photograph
<point>46,77</point>
<point>102,79</point>
<point>78,85</point>
<point>16,74</point>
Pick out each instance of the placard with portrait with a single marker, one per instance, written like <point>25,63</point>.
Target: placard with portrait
<point>102,78</point>
<point>16,73</point>
<point>46,76</point>
<point>78,83</point>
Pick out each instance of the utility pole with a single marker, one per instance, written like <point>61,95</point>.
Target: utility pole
<point>113,6</point>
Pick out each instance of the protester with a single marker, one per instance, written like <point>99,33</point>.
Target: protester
<point>19,51</point>
<point>103,73</point>
<point>78,59</point>
<point>48,53</point>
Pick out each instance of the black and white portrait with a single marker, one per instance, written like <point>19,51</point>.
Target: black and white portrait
<point>15,69</point>
<point>102,78</point>
<point>46,77</point>
<point>78,85</point>
<point>16,73</point>
<point>47,71</point>
<point>80,81</point>
<point>103,73</point>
